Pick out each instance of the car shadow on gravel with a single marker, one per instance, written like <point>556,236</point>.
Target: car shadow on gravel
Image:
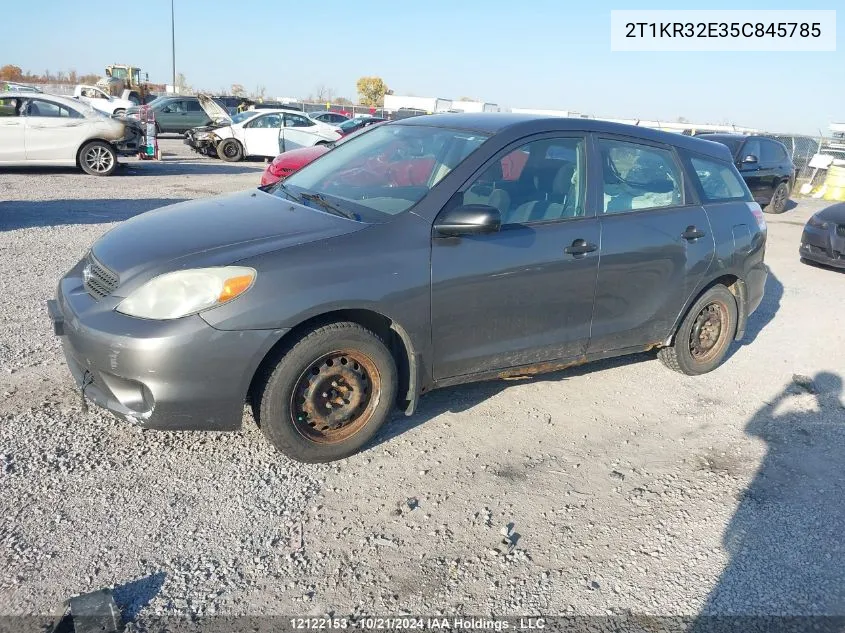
<point>133,596</point>
<point>764,314</point>
<point>785,537</point>
<point>464,397</point>
<point>20,214</point>
<point>176,167</point>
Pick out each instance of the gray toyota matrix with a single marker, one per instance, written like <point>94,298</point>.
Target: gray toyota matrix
<point>429,252</point>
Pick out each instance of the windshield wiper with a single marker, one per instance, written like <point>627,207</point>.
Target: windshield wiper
<point>328,206</point>
<point>286,190</point>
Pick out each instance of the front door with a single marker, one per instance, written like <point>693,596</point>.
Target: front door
<point>299,132</point>
<point>12,134</point>
<point>53,131</point>
<point>523,295</point>
<point>757,174</point>
<point>655,245</point>
<point>261,135</point>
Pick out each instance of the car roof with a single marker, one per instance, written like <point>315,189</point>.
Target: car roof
<point>68,101</point>
<point>496,122</point>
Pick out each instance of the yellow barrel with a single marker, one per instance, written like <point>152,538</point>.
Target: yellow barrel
<point>834,184</point>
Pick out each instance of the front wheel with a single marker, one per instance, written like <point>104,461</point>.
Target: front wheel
<point>230,150</point>
<point>329,394</point>
<point>98,159</point>
<point>119,112</point>
<point>780,197</point>
<point>704,336</point>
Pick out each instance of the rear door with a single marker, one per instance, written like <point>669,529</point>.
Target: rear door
<point>261,135</point>
<point>656,243</point>
<point>299,131</point>
<point>522,295</point>
<point>12,132</point>
<point>53,132</point>
<point>775,155</point>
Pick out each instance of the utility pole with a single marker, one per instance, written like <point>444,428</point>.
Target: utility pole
<point>173,43</point>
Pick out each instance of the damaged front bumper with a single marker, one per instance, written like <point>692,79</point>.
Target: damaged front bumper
<point>132,141</point>
<point>202,140</point>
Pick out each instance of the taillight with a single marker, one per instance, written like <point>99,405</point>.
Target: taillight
<point>757,212</point>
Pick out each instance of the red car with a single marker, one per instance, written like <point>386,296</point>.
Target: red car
<point>287,163</point>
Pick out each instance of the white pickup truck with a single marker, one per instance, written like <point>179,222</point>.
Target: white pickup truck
<point>99,100</point>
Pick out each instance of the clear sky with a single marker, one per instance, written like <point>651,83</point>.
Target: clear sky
<point>530,54</point>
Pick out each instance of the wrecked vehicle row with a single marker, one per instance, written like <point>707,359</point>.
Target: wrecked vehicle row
<point>263,133</point>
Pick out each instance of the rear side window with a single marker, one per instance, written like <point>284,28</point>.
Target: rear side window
<point>638,177</point>
<point>719,181</point>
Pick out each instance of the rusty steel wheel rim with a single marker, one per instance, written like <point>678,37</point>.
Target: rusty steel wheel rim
<point>707,335</point>
<point>335,397</point>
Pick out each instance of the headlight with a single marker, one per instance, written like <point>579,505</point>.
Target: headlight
<point>817,222</point>
<point>178,294</point>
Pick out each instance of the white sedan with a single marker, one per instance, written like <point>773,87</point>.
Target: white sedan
<point>265,133</point>
<point>47,130</point>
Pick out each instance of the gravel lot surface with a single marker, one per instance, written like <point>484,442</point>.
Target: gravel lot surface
<point>625,486</point>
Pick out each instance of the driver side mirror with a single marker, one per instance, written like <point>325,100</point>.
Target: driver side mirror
<point>751,158</point>
<point>469,219</point>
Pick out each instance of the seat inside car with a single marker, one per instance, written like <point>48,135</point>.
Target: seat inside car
<point>488,190</point>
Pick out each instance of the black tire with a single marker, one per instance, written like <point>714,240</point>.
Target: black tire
<point>119,112</point>
<point>780,196</point>
<point>700,344</point>
<point>98,159</point>
<point>230,150</point>
<point>341,364</point>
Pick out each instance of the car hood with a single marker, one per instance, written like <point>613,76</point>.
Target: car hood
<point>214,110</point>
<point>834,213</point>
<point>211,232</point>
<point>301,156</point>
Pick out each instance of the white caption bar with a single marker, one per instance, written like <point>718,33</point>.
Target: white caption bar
<point>723,30</point>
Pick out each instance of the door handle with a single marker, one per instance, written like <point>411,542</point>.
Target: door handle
<point>579,248</point>
<point>692,233</point>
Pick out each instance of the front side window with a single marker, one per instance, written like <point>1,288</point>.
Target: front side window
<point>540,181</point>
<point>751,148</point>
<point>41,108</point>
<point>719,181</point>
<point>268,121</point>
<point>385,171</point>
<point>637,176</point>
<point>194,106</point>
<point>772,153</point>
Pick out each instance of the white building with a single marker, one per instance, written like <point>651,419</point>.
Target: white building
<point>474,106</point>
<point>427,104</point>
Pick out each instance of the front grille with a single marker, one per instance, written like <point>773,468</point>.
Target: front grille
<point>99,281</point>
<point>840,230</point>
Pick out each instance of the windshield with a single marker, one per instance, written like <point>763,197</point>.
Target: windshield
<point>240,117</point>
<point>385,171</point>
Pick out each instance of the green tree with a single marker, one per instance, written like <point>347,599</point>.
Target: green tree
<point>371,90</point>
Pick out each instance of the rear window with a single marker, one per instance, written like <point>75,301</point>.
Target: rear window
<point>719,181</point>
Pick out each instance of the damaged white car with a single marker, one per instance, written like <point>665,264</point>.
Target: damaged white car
<point>265,133</point>
<point>48,130</point>
<point>101,101</point>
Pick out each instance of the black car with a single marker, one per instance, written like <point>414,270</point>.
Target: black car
<point>424,253</point>
<point>764,164</point>
<point>358,123</point>
<point>823,240</point>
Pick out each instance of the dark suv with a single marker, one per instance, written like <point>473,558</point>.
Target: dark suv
<point>764,164</point>
<point>175,114</point>
<point>429,252</point>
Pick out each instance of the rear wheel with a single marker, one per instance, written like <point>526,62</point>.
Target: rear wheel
<point>780,197</point>
<point>705,334</point>
<point>230,150</point>
<point>98,159</point>
<point>329,394</point>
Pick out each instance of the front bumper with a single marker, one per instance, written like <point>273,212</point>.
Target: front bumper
<point>173,375</point>
<point>824,246</point>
